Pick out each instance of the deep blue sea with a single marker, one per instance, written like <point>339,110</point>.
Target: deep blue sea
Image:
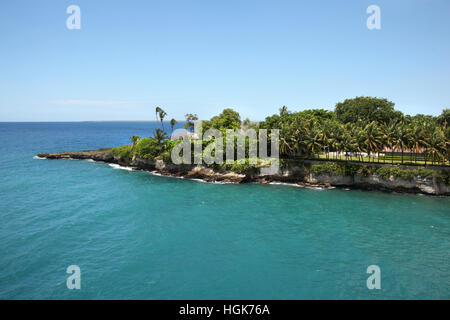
<point>139,236</point>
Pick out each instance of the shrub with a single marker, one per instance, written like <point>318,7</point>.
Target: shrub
<point>124,152</point>
<point>442,176</point>
<point>326,168</point>
<point>384,172</point>
<point>147,148</point>
<point>364,170</point>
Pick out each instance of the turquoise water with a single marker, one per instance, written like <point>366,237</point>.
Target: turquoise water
<point>135,235</point>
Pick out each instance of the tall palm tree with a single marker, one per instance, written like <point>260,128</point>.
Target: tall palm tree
<point>313,142</point>
<point>190,118</point>
<point>359,136</point>
<point>157,111</point>
<point>403,138</point>
<point>326,137</point>
<point>373,138</point>
<point>173,122</point>
<point>338,137</point>
<point>161,113</point>
<point>418,139</point>
<point>391,138</point>
<point>285,146</point>
<point>447,143</point>
<point>436,146</point>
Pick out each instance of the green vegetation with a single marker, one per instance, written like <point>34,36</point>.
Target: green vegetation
<point>385,172</point>
<point>190,119</point>
<point>360,130</point>
<point>124,152</point>
<point>348,141</point>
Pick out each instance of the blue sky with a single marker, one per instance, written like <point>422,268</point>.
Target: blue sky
<point>203,56</point>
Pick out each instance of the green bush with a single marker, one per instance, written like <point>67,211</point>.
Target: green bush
<point>442,176</point>
<point>364,170</point>
<point>407,174</point>
<point>326,168</point>
<point>384,172</point>
<point>147,148</point>
<point>124,152</point>
<point>425,172</point>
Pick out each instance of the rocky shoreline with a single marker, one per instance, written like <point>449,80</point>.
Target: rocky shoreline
<point>185,171</point>
<point>291,175</point>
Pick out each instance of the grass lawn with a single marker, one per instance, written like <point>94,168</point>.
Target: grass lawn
<point>388,160</point>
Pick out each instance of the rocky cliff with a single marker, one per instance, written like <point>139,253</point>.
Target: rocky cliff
<point>288,174</point>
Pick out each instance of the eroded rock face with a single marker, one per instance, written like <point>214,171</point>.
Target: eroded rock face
<point>210,175</point>
<point>334,180</point>
<point>97,155</point>
<point>159,165</point>
<point>398,184</point>
<point>293,174</point>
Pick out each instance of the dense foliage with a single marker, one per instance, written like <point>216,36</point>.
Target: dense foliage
<point>358,130</point>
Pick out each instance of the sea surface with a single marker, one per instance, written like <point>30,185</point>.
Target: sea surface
<point>135,235</point>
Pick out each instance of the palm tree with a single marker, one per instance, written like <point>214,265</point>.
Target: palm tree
<point>418,139</point>
<point>173,122</point>
<point>157,111</point>
<point>312,141</point>
<point>161,113</point>
<point>359,137</point>
<point>190,118</point>
<point>285,146</point>
<point>447,143</point>
<point>135,139</point>
<point>326,137</point>
<point>348,143</point>
<point>373,138</point>
<point>403,138</point>
<point>283,110</point>
<point>391,138</point>
<point>436,146</point>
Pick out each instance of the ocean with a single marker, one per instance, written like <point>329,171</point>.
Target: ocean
<point>135,235</point>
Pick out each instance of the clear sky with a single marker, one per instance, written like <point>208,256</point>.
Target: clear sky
<point>202,56</point>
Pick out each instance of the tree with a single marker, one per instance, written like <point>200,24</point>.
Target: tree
<point>391,137</point>
<point>349,143</point>
<point>173,122</point>
<point>403,137</point>
<point>228,119</point>
<point>418,140</point>
<point>312,139</point>
<point>444,118</point>
<point>366,110</point>
<point>161,113</point>
<point>190,118</point>
<point>373,138</point>
<point>160,136</point>
<point>360,140</point>
<point>436,146</point>
<point>326,137</point>
<point>283,110</point>
<point>157,110</point>
<point>135,139</point>
<point>447,143</point>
